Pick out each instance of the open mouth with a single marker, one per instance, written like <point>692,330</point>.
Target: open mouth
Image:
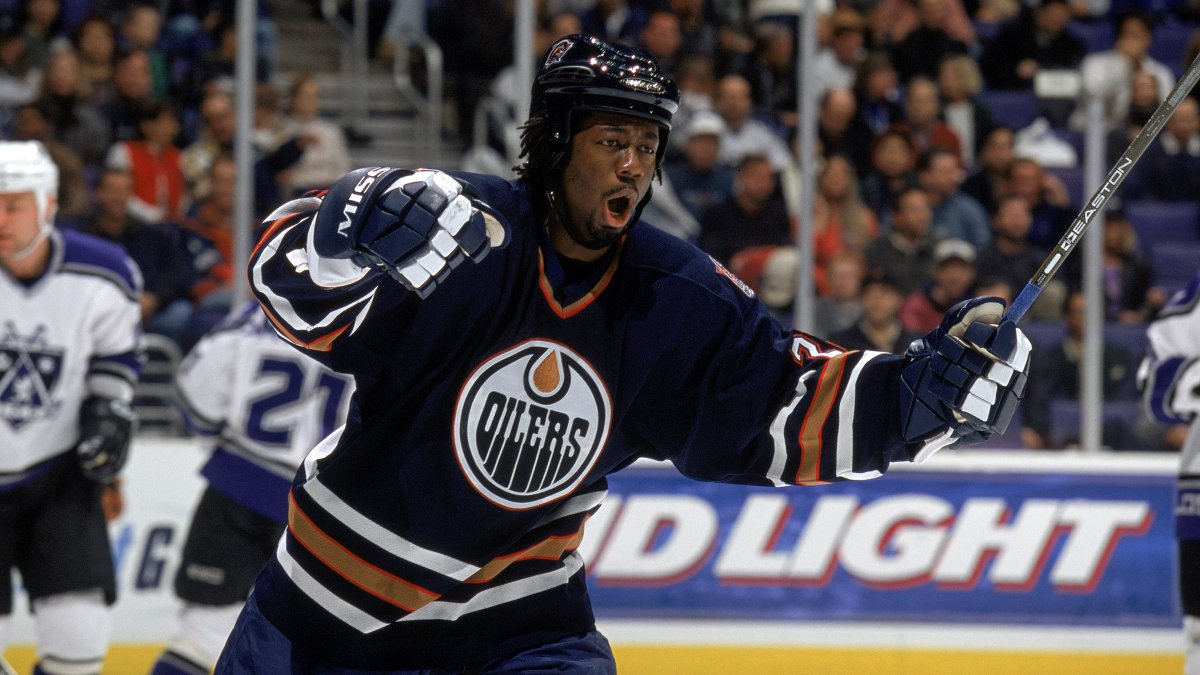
<point>618,209</point>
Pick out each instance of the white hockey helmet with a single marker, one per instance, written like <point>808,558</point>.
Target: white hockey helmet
<point>26,166</point>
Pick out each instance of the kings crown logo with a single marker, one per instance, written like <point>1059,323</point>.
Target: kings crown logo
<point>530,423</point>
<point>29,371</point>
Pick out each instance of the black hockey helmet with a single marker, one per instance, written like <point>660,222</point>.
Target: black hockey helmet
<point>582,73</point>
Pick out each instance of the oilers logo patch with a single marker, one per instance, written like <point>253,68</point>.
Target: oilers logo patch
<point>530,423</point>
<point>29,371</point>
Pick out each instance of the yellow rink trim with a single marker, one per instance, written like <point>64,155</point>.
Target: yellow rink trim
<point>691,660</point>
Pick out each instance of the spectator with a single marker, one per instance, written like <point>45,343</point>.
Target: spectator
<point>753,215</point>
<point>879,328</point>
<point>841,132</point>
<point>923,119</point>
<point>906,253</point>
<point>893,159</point>
<point>836,64</point>
<point>960,83</point>
<point>990,179</point>
<point>153,163</point>
<point>1055,376</point>
<point>955,215</point>
<point>1108,75</point>
<point>32,123</point>
<point>920,52</point>
<point>41,23</point>
<point>697,87</point>
<point>18,78</point>
<point>952,279</point>
<point>875,89</point>
<point>76,121</point>
<point>1037,40</point>
<point>1130,296</point>
<point>892,21</point>
<point>96,44</point>
<point>142,29</point>
<point>772,73</point>
<point>1048,201</point>
<point>840,306</point>
<point>217,138</point>
<point>213,224</point>
<point>770,271</point>
<point>663,38</point>
<point>155,248</point>
<point>1170,169</point>
<point>134,89</point>
<point>476,45</point>
<point>744,135</point>
<point>699,180</point>
<point>1144,99</point>
<point>615,20</point>
<point>1010,257</point>
<point>326,156</point>
<point>841,221</point>
<point>700,26</point>
<point>218,64</point>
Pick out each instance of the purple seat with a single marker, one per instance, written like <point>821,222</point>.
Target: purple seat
<point>1157,222</point>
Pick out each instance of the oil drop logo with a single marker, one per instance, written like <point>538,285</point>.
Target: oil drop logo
<point>530,423</point>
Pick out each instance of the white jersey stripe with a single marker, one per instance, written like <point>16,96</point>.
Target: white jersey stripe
<point>845,432</point>
<point>385,538</point>
<point>498,595</point>
<point>574,505</point>
<point>283,309</point>
<point>779,458</point>
<point>351,615</point>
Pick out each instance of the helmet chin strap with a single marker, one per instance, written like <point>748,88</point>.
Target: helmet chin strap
<point>44,229</point>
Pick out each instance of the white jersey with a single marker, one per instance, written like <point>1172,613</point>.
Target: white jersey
<point>74,332</point>
<point>1171,372</point>
<point>257,397</point>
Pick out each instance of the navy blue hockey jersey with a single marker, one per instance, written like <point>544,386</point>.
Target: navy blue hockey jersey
<point>441,527</point>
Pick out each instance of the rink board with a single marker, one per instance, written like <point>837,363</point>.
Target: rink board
<point>1006,562</point>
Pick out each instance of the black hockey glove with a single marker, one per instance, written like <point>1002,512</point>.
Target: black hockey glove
<point>964,379</point>
<point>105,430</point>
<point>415,226</point>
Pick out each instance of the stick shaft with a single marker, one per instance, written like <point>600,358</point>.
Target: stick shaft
<point>1100,197</point>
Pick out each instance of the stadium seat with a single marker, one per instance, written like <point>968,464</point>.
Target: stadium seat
<point>1043,334</point>
<point>1073,179</point>
<point>1175,263</point>
<point>1015,109</point>
<point>1096,36</point>
<point>1119,422</point>
<point>1170,44</point>
<point>1157,222</point>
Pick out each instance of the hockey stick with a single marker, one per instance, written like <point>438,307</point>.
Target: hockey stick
<point>1091,207</point>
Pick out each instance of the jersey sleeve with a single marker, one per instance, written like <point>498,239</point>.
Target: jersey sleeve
<point>317,304</point>
<point>202,389</point>
<point>1169,377</point>
<point>116,360</point>
<point>775,407</point>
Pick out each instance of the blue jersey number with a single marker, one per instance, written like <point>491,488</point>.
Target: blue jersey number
<point>289,392</point>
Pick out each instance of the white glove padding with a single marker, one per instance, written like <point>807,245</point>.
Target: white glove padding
<point>965,379</point>
<point>415,226</point>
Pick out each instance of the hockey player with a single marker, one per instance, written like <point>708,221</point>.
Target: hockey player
<point>440,528</point>
<point>264,406</point>
<point>69,357</point>
<point>1170,382</point>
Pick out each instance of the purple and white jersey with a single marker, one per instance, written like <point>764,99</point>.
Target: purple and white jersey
<point>73,332</point>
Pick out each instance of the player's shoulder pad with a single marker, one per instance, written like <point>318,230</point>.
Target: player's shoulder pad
<point>1182,301</point>
<point>89,255</point>
<point>248,318</point>
<point>656,252</point>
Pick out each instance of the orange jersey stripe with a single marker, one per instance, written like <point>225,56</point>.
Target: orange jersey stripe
<point>386,587</point>
<point>552,548</point>
<point>814,420</point>
<point>582,303</point>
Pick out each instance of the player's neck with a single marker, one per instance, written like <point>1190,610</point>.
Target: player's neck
<point>31,265</point>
